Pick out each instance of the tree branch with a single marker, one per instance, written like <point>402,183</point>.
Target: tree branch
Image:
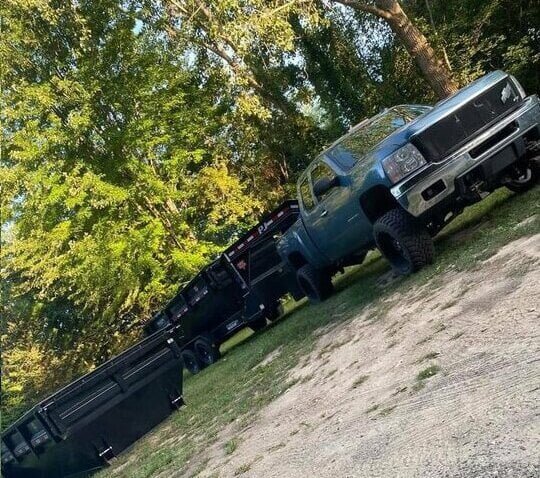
<point>364,7</point>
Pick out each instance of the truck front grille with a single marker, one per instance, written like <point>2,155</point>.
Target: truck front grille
<point>453,131</point>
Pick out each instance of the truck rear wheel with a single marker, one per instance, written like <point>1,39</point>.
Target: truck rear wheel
<point>315,283</point>
<point>191,362</point>
<point>405,243</point>
<point>206,351</point>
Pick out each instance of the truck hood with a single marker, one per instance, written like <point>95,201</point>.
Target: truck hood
<point>441,110</point>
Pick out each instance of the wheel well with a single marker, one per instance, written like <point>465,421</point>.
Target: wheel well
<point>376,202</point>
<point>297,260</point>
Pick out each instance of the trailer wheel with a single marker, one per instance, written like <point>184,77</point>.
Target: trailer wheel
<point>191,362</point>
<point>275,312</point>
<point>207,352</point>
<point>257,324</point>
<point>315,283</point>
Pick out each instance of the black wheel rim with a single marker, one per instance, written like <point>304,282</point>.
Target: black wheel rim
<point>523,178</point>
<point>393,250</point>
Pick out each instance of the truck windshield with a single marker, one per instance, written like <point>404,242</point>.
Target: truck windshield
<point>362,140</point>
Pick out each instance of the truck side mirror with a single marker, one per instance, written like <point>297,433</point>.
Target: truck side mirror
<point>323,185</point>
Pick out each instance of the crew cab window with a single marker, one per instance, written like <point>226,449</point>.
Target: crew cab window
<point>305,195</point>
<point>320,171</point>
<point>365,137</point>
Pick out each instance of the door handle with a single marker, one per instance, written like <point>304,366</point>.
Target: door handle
<point>324,213</point>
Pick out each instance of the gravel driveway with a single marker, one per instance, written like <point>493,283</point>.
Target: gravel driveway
<point>443,382</point>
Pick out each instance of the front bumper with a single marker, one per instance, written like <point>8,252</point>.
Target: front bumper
<point>493,149</point>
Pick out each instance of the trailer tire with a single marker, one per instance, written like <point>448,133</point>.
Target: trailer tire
<point>191,362</point>
<point>275,311</point>
<point>257,324</point>
<point>315,283</point>
<point>207,352</point>
<point>403,241</point>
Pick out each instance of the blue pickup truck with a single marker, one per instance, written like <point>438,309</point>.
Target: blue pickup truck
<point>395,180</point>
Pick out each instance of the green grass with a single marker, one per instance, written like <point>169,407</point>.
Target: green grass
<point>231,392</point>
<point>428,372</point>
<point>231,446</point>
<point>359,381</point>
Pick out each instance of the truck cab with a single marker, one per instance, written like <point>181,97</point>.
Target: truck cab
<point>395,180</point>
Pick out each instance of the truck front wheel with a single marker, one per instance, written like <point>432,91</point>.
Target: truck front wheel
<point>315,283</point>
<point>191,362</point>
<point>207,352</point>
<point>405,243</point>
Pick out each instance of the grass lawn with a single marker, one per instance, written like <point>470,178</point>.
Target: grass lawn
<point>233,391</point>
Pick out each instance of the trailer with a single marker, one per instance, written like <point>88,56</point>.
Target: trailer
<point>82,427</point>
<point>241,288</point>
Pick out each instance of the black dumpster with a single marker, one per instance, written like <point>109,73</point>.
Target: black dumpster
<point>80,428</point>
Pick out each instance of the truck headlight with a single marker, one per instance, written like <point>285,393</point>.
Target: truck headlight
<point>403,162</point>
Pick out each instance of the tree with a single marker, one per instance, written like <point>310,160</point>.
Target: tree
<point>250,42</point>
<point>434,68</point>
<point>139,137</point>
<point>339,76</point>
<point>109,144</point>
<point>480,37</point>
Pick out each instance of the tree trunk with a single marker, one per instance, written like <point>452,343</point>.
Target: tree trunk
<point>433,68</point>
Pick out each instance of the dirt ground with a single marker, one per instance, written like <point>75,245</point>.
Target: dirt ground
<point>442,381</point>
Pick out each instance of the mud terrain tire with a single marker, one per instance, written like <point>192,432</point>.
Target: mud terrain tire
<point>403,241</point>
<point>315,283</point>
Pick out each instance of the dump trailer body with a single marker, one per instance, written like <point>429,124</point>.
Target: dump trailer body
<point>80,428</point>
<point>201,307</point>
<point>255,257</point>
<point>237,288</point>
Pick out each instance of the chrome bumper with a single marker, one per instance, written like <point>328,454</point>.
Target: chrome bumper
<point>409,192</point>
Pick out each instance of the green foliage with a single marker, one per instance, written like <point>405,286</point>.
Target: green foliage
<point>481,36</point>
<point>140,137</point>
<point>113,188</point>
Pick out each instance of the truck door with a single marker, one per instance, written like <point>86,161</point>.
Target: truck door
<point>334,220</point>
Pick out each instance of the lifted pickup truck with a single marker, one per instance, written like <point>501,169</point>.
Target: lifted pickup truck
<point>395,180</point>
